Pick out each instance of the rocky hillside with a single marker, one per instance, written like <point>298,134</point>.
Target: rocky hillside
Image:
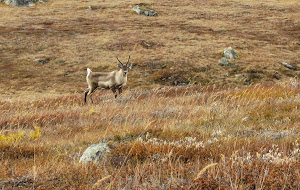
<point>50,46</point>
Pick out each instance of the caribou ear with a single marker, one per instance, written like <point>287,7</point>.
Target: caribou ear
<point>130,66</point>
<point>120,66</point>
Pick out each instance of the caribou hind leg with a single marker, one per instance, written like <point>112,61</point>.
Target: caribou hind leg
<point>89,93</point>
<point>120,89</point>
<point>85,94</point>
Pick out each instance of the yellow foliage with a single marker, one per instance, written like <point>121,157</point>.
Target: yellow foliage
<point>258,155</point>
<point>222,157</point>
<point>16,137</point>
<point>91,111</point>
<point>11,137</point>
<point>35,134</point>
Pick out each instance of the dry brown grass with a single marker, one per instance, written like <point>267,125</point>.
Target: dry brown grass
<point>215,133</point>
<point>187,41</point>
<point>163,138</point>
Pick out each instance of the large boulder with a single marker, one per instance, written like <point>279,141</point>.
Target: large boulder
<point>21,3</point>
<point>95,153</point>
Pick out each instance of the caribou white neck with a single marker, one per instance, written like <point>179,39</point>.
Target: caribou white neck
<point>121,78</point>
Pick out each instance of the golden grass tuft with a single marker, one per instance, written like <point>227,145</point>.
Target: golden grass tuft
<point>204,170</point>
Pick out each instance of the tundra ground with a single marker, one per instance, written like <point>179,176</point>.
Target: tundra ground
<point>187,39</point>
<point>163,139</point>
<point>232,127</point>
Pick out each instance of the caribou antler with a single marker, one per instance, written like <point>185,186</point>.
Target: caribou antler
<point>119,61</point>
<point>128,60</point>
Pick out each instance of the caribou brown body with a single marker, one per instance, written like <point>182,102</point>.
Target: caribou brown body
<point>114,80</point>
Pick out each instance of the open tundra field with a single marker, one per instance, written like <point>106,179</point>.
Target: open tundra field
<point>163,138</point>
<point>184,121</point>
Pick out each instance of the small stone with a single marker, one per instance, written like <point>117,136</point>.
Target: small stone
<point>224,62</point>
<point>152,13</point>
<point>146,44</point>
<point>275,135</point>
<point>42,60</point>
<point>288,66</point>
<point>142,11</point>
<point>136,9</point>
<point>229,53</point>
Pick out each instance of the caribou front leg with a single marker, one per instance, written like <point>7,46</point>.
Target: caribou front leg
<point>120,89</point>
<point>113,89</point>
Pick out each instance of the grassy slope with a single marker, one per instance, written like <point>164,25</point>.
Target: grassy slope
<point>238,128</point>
<point>188,38</point>
<point>246,131</point>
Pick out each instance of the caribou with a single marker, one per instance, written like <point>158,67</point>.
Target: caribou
<point>114,80</point>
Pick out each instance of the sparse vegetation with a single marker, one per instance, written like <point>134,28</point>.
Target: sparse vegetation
<point>234,127</point>
<point>162,138</point>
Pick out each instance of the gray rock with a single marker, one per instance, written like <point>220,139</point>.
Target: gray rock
<point>229,53</point>
<point>288,66</point>
<point>224,62</point>
<point>89,7</point>
<point>21,3</point>
<point>146,44</point>
<point>42,60</point>
<point>275,135</point>
<point>95,153</point>
<point>141,11</point>
<point>136,9</point>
